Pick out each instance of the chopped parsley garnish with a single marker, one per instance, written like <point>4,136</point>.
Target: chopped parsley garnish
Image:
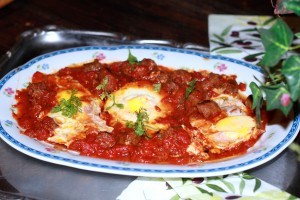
<point>139,126</point>
<point>119,105</point>
<point>190,89</point>
<point>69,107</point>
<point>101,86</point>
<point>131,58</point>
<point>157,87</point>
<point>105,94</point>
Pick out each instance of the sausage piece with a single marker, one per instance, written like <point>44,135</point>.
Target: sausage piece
<point>208,108</point>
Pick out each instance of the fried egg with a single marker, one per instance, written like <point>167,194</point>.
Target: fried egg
<point>232,129</point>
<point>88,118</point>
<point>133,97</point>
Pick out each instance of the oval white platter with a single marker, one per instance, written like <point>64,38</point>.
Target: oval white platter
<point>276,138</point>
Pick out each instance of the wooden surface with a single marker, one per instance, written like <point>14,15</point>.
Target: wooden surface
<point>179,20</point>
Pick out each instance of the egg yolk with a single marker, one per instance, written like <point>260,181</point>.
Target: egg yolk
<point>238,124</point>
<point>135,104</point>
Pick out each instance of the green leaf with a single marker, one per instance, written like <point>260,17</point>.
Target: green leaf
<point>293,5</point>
<point>190,89</point>
<point>139,126</point>
<point>242,186</point>
<point>297,35</point>
<point>70,107</point>
<point>276,41</point>
<point>229,185</point>
<point>296,148</point>
<point>220,38</point>
<point>252,56</point>
<point>204,191</point>
<point>226,30</point>
<point>131,58</point>
<point>102,84</point>
<point>268,21</point>
<point>248,176</point>
<point>257,184</point>
<point>248,30</point>
<point>292,197</point>
<point>175,197</point>
<point>256,93</point>
<point>157,87</point>
<point>223,45</point>
<point>213,178</point>
<point>217,48</point>
<point>257,101</point>
<point>215,187</point>
<point>119,105</point>
<point>184,180</point>
<point>273,98</point>
<point>229,51</point>
<point>291,71</point>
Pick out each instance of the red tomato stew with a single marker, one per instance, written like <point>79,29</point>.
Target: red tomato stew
<point>139,112</point>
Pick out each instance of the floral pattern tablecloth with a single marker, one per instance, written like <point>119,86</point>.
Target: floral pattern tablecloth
<point>240,186</point>
<point>236,37</point>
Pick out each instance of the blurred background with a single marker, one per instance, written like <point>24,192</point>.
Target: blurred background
<point>182,21</point>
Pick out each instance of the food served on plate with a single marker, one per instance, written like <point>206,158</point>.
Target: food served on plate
<point>139,111</point>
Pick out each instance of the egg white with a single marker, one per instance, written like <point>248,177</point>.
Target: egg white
<point>69,129</point>
<point>133,97</point>
<point>230,131</point>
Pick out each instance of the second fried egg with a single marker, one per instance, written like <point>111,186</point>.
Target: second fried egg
<point>124,103</point>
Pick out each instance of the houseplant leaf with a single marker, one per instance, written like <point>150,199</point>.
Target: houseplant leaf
<point>291,70</point>
<point>276,96</point>
<point>276,41</point>
<point>292,5</point>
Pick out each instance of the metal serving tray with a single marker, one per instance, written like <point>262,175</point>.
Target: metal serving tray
<point>23,177</point>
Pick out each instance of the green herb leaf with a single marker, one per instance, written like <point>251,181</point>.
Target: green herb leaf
<point>69,107</point>
<point>297,35</point>
<point>276,41</point>
<point>157,87</point>
<point>190,88</point>
<point>131,58</point>
<point>139,126</point>
<point>102,85</point>
<point>291,71</point>
<point>119,105</point>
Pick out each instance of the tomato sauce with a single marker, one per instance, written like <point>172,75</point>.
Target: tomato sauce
<point>167,146</point>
